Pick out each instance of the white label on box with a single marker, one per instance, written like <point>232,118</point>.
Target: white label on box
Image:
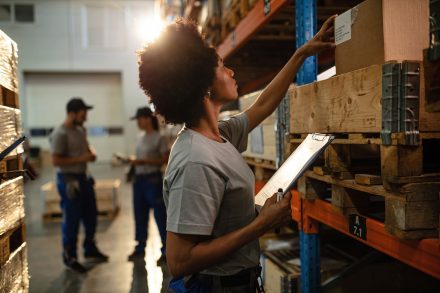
<point>343,27</point>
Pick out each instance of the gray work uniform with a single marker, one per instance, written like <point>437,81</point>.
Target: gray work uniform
<point>209,190</point>
<point>76,189</point>
<point>150,145</point>
<point>69,142</point>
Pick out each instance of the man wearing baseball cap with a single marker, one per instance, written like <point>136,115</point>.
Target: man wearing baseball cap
<point>70,154</point>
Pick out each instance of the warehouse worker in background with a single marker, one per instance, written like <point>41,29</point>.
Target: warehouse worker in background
<point>151,154</point>
<point>212,226</point>
<point>70,154</point>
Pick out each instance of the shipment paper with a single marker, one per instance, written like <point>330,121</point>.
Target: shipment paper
<point>297,163</point>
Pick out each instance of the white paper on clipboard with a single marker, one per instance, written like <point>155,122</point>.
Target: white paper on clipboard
<point>297,163</point>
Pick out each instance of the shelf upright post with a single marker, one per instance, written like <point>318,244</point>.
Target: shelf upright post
<point>306,27</point>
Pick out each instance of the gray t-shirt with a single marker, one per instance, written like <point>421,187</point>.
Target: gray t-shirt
<point>209,190</point>
<point>69,142</point>
<point>150,145</point>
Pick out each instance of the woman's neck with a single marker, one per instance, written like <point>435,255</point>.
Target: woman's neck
<point>208,124</point>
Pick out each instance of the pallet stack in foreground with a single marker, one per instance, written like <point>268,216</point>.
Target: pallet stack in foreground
<point>13,249</point>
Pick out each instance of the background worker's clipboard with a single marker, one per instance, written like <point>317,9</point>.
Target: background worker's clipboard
<point>297,163</point>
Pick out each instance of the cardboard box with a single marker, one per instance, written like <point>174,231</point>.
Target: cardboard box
<point>377,31</point>
<point>262,140</point>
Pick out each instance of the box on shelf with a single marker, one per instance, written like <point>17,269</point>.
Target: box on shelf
<point>378,31</point>
<point>262,140</point>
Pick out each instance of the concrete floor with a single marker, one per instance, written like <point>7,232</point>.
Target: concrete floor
<point>115,238</point>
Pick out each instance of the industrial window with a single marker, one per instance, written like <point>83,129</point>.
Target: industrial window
<point>5,12</point>
<point>24,13</point>
<point>18,13</point>
<point>103,27</point>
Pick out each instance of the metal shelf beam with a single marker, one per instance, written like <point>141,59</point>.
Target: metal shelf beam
<point>248,26</point>
<point>423,254</point>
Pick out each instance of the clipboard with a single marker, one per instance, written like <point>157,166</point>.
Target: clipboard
<point>297,163</point>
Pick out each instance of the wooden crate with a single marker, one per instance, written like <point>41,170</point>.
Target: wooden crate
<point>10,128</point>
<point>11,203</point>
<point>8,72</point>
<point>350,106</point>
<point>262,140</point>
<point>348,103</point>
<point>14,276</point>
<point>411,212</point>
<point>107,199</point>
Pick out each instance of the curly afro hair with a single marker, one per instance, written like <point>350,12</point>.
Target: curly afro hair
<point>176,72</point>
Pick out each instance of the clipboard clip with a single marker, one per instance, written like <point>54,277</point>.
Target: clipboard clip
<point>319,136</point>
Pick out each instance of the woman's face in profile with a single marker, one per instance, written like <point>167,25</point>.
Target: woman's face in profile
<point>224,87</point>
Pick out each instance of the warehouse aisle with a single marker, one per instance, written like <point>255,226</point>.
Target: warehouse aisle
<point>114,238</point>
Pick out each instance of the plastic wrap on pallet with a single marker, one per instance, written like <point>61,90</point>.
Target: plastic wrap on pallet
<point>10,128</point>
<point>11,203</point>
<point>8,63</point>
<point>14,276</point>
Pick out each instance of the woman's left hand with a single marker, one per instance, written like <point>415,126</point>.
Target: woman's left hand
<point>323,40</point>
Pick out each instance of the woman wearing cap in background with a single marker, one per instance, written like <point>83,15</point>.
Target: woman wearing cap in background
<point>151,154</point>
<point>212,226</point>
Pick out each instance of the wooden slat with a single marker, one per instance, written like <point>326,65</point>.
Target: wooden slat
<point>350,103</point>
<point>366,179</point>
<point>344,103</point>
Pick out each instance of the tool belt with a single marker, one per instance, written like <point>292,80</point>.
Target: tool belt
<point>242,278</point>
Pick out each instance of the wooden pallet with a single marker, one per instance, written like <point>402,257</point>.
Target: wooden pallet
<point>351,154</point>
<point>11,241</point>
<point>409,213</point>
<point>263,169</point>
<point>57,216</point>
<point>10,164</point>
<point>9,98</point>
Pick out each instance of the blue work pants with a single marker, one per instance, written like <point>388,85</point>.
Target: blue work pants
<point>147,193</point>
<point>78,203</point>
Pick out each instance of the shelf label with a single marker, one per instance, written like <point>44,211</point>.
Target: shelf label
<point>357,226</point>
<point>343,27</point>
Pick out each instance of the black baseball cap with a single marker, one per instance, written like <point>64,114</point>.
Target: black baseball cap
<point>142,112</point>
<point>77,104</point>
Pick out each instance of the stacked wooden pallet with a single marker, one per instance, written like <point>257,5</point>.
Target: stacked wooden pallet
<point>218,18</point>
<point>107,199</point>
<point>384,161</point>
<point>13,259</point>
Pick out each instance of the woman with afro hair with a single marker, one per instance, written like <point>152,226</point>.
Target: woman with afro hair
<point>212,225</point>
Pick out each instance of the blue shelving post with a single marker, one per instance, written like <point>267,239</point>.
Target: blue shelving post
<point>306,27</point>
